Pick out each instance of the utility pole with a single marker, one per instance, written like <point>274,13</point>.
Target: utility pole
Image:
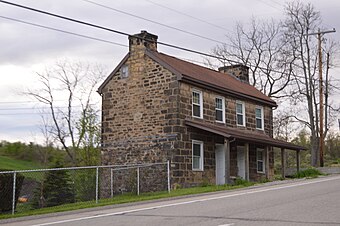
<point>326,94</point>
<point>321,137</point>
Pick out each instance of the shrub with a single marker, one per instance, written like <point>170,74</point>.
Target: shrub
<point>309,173</point>
<point>239,181</point>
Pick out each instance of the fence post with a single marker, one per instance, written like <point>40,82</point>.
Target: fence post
<point>137,180</point>
<point>111,176</point>
<point>14,188</point>
<point>97,182</point>
<point>168,168</point>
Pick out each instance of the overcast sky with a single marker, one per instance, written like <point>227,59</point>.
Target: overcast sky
<point>25,49</point>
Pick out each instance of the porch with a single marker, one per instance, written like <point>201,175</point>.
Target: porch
<point>245,154</point>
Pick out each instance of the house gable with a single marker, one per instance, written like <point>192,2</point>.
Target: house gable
<point>113,73</point>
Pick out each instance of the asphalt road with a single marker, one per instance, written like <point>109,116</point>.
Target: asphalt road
<point>307,202</point>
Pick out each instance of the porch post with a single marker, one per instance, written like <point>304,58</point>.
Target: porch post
<point>297,160</point>
<point>283,163</point>
<point>267,148</point>
<point>226,149</point>
<point>246,159</point>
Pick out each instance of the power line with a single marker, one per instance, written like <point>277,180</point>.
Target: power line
<point>64,18</point>
<point>27,113</point>
<point>31,113</point>
<point>38,102</point>
<point>269,5</point>
<point>187,15</point>
<point>126,34</point>
<point>152,21</point>
<point>38,108</point>
<point>111,30</point>
<point>27,101</point>
<point>276,2</point>
<point>62,31</point>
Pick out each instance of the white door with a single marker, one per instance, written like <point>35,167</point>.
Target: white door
<point>220,164</point>
<point>241,164</point>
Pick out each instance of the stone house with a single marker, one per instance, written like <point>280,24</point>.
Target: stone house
<point>212,125</point>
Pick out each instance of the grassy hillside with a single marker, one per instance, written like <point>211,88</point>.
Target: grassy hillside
<point>14,164</point>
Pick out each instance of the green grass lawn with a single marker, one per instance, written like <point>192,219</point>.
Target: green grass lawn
<point>125,198</point>
<point>14,164</point>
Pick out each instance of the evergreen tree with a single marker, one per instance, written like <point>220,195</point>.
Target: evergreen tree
<point>56,189</point>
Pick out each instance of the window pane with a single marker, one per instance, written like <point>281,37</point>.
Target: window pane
<point>125,71</point>
<point>239,119</point>
<point>260,166</point>
<point>196,98</point>
<point>196,150</point>
<point>219,115</point>
<point>196,163</point>
<point>197,156</point>
<point>259,155</point>
<point>196,110</point>
<point>239,108</point>
<point>219,103</point>
<point>258,113</point>
<point>259,123</point>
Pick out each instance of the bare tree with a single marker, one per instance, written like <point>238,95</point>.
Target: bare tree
<point>262,48</point>
<point>67,89</point>
<point>283,61</point>
<point>301,21</point>
<point>45,150</point>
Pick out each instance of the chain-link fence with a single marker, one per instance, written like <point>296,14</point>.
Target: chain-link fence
<point>25,190</point>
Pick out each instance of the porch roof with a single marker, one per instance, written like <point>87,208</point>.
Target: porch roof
<point>243,135</point>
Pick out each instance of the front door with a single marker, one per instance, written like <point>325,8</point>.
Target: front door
<point>220,164</point>
<point>241,164</point>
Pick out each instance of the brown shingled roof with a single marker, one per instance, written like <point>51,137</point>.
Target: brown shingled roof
<point>198,74</point>
<point>244,135</point>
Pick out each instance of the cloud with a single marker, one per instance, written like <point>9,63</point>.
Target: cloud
<point>26,49</point>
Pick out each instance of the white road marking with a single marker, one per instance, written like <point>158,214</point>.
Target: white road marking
<point>189,202</point>
<point>226,224</point>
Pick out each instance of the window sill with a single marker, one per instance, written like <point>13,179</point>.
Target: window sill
<point>197,117</point>
<point>221,122</point>
<point>197,170</point>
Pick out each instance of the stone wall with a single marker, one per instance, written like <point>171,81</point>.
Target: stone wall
<point>230,106</point>
<point>139,113</point>
<point>184,160</point>
<point>182,163</point>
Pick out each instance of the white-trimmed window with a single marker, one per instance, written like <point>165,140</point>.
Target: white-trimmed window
<point>259,118</point>
<point>197,155</point>
<point>220,109</point>
<point>197,104</point>
<point>124,70</point>
<point>240,114</point>
<point>260,160</point>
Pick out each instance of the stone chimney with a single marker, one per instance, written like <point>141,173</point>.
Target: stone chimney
<point>143,40</point>
<point>240,71</point>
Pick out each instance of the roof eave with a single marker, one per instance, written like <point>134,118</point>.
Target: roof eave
<point>247,137</point>
<point>188,79</point>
